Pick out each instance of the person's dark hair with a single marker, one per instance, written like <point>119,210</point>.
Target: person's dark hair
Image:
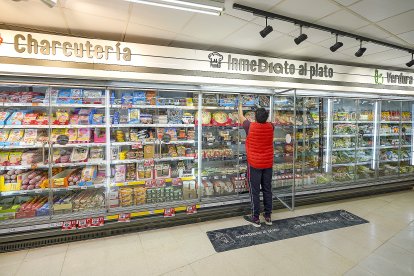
<point>261,115</point>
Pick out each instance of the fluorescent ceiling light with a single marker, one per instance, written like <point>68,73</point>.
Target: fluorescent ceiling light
<point>206,7</point>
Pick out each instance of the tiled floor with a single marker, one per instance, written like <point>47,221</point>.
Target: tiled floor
<point>385,246</point>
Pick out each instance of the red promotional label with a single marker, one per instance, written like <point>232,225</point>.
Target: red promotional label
<point>124,217</point>
<point>69,225</point>
<point>169,212</point>
<point>96,222</point>
<point>191,210</point>
<point>83,223</point>
<point>1,40</point>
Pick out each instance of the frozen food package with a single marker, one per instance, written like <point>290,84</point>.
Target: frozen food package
<point>88,173</point>
<point>16,118</point>
<point>133,116</point>
<point>15,158</point>
<point>4,115</point>
<point>15,135</point>
<point>84,135</point>
<point>30,136</point>
<point>79,154</point>
<point>4,135</point>
<point>120,173</point>
<point>96,154</point>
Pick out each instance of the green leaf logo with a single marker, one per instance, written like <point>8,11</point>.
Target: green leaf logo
<point>378,78</point>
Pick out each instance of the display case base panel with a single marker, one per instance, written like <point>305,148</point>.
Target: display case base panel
<point>248,235</point>
<point>45,237</point>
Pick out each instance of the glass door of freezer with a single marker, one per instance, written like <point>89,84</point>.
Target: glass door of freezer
<point>285,119</point>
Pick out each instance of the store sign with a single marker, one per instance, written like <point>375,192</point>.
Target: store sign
<point>37,53</point>
<point>27,43</point>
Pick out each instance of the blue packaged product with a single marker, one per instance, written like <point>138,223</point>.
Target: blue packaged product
<point>70,96</point>
<point>139,98</point>
<point>115,118</point>
<point>126,98</point>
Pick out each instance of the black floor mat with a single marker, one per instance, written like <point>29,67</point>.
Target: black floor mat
<point>248,235</point>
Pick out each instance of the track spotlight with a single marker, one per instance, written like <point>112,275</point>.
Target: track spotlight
<point>337,45</point>
<point>267,30</point>
<point>301,37</point>
<point>360,51</point>
<point>411,62</point>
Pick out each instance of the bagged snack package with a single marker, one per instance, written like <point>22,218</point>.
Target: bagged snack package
<point>30,136</point>
<point>79,155</point>
<point>151,97</point>
<point>133,116</point>
<point>96,154</point>
<point>139,98</point>
<point>15,158</point>
<point>84,135</point>
<point>15,136</point>
<point>88,174</point>
<point>120,173</point>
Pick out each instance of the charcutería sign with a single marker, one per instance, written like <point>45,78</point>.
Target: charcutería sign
<point>30,45</point>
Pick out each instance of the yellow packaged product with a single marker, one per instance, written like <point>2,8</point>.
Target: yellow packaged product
<point>15,135</point>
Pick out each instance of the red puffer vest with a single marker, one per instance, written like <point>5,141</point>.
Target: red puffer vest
<point>259,145</point>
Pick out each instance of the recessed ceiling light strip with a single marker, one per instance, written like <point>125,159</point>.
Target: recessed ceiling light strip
<point>181,5</point>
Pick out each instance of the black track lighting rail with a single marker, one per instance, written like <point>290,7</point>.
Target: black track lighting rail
<point>295,21</point>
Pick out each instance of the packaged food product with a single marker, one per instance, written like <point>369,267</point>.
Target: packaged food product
<point>125,197</point>
<point>145,118</point>
<point>61,155</point>
<point>133,116</point>
<point>85,116</point>
<point>31,157</point>
<point>205,117</point>
<point>4,135</point>
<point>151,97</point>
<point>4,158</point>
<point>4,115</point>
<point>84,135</point>
<point>119,135</point>
<point>42,136</point>
<point>139,98</point>
<point>56,132</point>
<point>88,173</point>
<point>30,136</point>
<point>172,132</point>
<point>16,118</point>
<point>120,173</point>
<point>15,135</point>
<point>15,158</point>
<point>149,151</point>
<point>79,154</point>
<point>72,135</point>
<point>30,119</point>
<point>96,154</point>
<point>228,100</point>
<point>133,135</point>
<point>97,117</point>
<point>62,117</point>
<point>220,118</point>
<point>99,135</point>
<point>250,116</point>
<point>188,118</point>
<point>130,172</point>
<point>175,116</point>
<point>69,96</point>
<point>74,119</point>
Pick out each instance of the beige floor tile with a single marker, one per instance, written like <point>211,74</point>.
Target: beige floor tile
<point>195,248</point>
<point>182,271</point>
<point>379,266</point>
<point>41,252</point>
<point>398,256</point>
<point>404,239</point>
<point>343,245</point>
<point>42,266</point>
<point>358,271</point>
<point>217,264</point>
<point>396,213</point>
<point>128,265</point>
<point>9,269</point>
<point>12,257</point>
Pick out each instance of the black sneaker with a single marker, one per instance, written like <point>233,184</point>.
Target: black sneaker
<point>267,219</point>
<point>255,221</point>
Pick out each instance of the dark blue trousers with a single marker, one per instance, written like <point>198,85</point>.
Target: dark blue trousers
<point>260,178</point>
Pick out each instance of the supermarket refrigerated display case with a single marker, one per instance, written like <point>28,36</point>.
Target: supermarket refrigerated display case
<point>73,152</point>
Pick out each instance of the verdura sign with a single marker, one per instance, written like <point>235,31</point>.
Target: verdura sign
<point>263,66</point>
<point>28,44</point>
<point>390,78</point>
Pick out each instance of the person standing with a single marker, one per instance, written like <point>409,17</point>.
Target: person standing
<point>259,149</point>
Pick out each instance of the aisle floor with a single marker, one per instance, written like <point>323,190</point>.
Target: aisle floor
<point>385,246</point>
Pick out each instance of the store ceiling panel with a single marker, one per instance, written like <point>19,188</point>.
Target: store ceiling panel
<point>237,31</point>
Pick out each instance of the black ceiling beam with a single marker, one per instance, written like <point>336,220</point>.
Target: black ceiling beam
<point>295,21</point>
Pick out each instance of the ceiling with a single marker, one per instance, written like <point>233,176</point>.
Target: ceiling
<point>235,31</point>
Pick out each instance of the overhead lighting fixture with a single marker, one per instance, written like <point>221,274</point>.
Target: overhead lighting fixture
<point>267,30</point>
<point>361,50</point>
<point>337,45</point>
<point>50,3</point>
<point>199,6</point>
<point>301,37</point>
<point>411,62</point>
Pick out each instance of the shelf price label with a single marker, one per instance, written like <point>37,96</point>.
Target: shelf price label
<point>124,217</point>
<point>191,209</point>
<point>97,222</point>
<point>169,212</point>
<point>69,225</point>
<point>83,223</point>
